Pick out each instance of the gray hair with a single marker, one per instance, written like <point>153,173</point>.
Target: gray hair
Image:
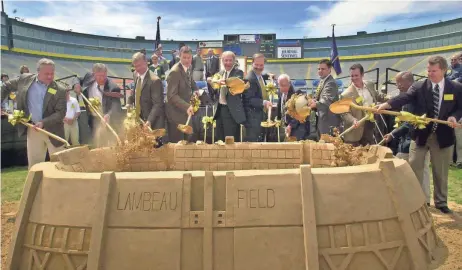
<point>138,56</point>
<point>99,67</point>
<point>406,75</point>
<point>45,62</point>
<point>228,53</point>
<point>283,77</point>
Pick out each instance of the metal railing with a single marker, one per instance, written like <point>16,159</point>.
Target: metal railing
<point>389,81</point>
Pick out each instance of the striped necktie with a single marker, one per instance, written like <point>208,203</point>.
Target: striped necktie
<point>436,105</point>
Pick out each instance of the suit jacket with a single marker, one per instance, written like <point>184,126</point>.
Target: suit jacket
<point>151,100</point>
<point>110,105</point>
<point>456,73</point>
<point>179,91</point>
<point>212,65</point>
<point>355,114</point>
<point>54,104</point>
<point>328,95</point>
<point>420,95</point>
<point>252,98</point>
<point>197,63</point>
<point>403,133</point>
<point>234,103</point>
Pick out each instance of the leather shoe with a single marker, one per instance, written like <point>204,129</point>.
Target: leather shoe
<point>444,209</point>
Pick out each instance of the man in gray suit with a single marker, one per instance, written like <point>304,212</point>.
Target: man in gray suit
<point>326,94</point>
<point>97,85</point>
<point>212,64</point>
<point>230,112</point>
<point>198,66</point>
<point>148,96</point>
<point>45,100</point>
<point>180,88</point>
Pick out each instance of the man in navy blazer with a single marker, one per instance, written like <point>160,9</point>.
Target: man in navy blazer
<point>440,98</point>
<point>255,99</point>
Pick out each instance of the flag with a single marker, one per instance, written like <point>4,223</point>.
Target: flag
<point>334,58</point>
<point>157,42</point>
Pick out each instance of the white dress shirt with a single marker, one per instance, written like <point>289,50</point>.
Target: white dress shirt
<point>441,86</point>
<point>142,76</point>
<point>363,92</point>
<point>95,93</point>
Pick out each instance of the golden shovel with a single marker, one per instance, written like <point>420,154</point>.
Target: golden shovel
<point>268,123</point>
<point>186,128</point>
<point>19,117</point>
<point>156,132</point>
<point>344,105</point>
<point>90,104</point>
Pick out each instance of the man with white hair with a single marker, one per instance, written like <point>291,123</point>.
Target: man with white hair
<point>148,96</point>
<point>292,127</point>
<point>98,86</point>
<point>230,110</point>
<point>39,96</point>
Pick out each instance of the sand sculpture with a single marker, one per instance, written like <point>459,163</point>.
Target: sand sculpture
<point>239,206</point>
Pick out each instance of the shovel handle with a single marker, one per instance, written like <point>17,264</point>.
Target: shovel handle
<point>101,117</point>
<point>353,127</point>
<point>187,121</point>
<point>47,133</point>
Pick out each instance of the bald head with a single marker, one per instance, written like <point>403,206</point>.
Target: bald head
<point>404,80</point>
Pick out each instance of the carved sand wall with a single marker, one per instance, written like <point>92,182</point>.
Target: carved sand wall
<point>369,217</point>
<point>206,157</point>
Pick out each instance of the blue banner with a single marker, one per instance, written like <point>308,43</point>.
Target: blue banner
<point>334,58</point>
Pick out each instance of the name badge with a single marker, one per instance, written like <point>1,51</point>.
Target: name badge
<point>448,97</point>
<point>359,99</point>
<point>52,91</point>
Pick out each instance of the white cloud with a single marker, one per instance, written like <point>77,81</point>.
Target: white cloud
<point>313,9</point>
<point>353,15</point>
<point>116,19</point>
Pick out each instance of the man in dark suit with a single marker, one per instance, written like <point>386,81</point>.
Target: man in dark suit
<point>439,98</point>
<point>255,99</point>
<point>292,127</point>
<point>230,110</point>
<point>45,100</point>
<point>180,88</point>
<point>326,94</point>
<point>148,97</point>
<point>212,64</point>
<point>97,85</point>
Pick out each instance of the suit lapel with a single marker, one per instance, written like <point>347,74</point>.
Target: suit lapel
<point>183,73</point>
<point>447,90</point>
<point>48,95</point>
<point>428,96</point>
<point>26,91</point>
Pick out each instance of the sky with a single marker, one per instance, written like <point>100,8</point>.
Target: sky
<point>210,20</point>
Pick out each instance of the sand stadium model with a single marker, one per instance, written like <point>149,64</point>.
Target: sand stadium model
<point>245,206</point>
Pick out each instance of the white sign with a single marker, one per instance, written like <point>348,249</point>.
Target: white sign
<point>210,44</point>
<point>289,52</point>
<point>247,38</point>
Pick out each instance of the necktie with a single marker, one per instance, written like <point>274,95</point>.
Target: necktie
<point>138,97</point>
<point>223,90</point>
<point>263,90</point>
<point>436,105</point>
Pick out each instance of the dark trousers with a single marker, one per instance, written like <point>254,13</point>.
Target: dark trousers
<point>253,129</point>
<point>174,135</point>
<point>226,125</point>
<point>368,134</point>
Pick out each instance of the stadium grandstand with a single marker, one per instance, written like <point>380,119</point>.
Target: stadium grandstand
<point>74,53</point>
<point>382,54</point>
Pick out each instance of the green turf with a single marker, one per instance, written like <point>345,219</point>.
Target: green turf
<point>13,182</point>
<point>455,185</point>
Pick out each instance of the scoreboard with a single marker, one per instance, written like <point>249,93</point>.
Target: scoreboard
<point>249,44</point>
